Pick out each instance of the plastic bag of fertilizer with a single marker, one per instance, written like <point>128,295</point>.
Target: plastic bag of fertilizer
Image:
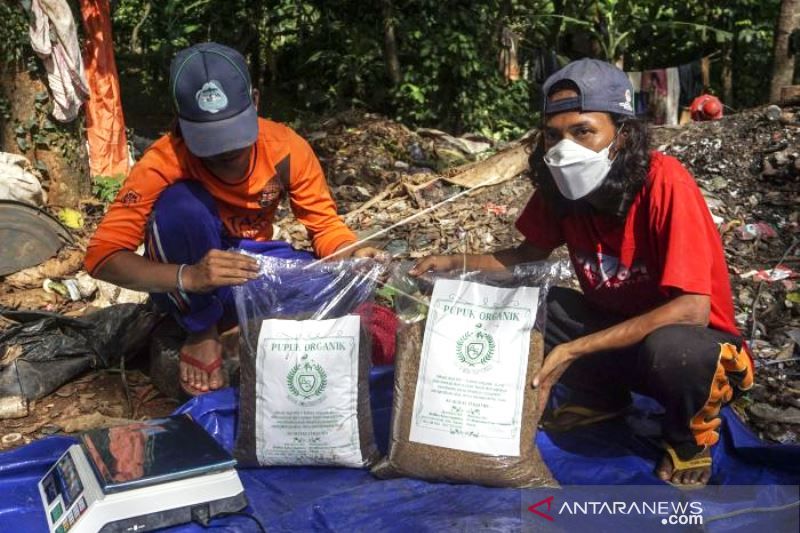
<point>464,410</point>
<point>305,362</point>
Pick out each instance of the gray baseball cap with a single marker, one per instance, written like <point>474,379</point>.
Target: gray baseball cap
<point>602,87</point>
<point>213,96</point>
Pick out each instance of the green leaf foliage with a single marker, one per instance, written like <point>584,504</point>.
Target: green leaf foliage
<point>106,188</point>
<point>317,57</point>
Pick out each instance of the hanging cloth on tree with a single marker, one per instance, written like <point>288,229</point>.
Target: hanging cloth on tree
<point>691,77</point>
<point>639,97</point>
<point>55,40</point>
<point>105,123</point>
<point>672,99</point>
<point>654,84</point>
<point>636,81</point>
<point>509,63</point>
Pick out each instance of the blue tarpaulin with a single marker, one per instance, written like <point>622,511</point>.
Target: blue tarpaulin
<point>332,499</point>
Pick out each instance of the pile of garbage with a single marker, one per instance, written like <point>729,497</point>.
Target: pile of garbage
<point>60,285</point>
<point>382,173</point>
<point>748,166</point>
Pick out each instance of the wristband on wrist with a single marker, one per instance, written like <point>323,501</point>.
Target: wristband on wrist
<point>179,282</point>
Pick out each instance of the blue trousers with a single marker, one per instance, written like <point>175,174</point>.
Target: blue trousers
<point>183,227</point>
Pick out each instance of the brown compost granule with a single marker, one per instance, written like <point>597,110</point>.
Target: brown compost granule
<point>434,463</point>
<point>245,446</point>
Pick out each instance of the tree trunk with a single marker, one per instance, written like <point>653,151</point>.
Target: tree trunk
<point>390,43</point>
<point>58,150</point>
<point>253,48</point>
<point>266,31</point>
<point>555,27</point>
<point>783,63</point>
<point>135,45</point>
<point>727,75</point>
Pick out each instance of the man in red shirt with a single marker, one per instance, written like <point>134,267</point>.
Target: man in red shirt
<point>213,183</point>
<point>655,315</point>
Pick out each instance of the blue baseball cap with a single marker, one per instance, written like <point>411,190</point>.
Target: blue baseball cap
<point>601,87</point>
<point>213,97</point>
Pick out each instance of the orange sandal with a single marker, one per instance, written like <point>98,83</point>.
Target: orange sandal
<point>208,368</point>
<point>701,460</point>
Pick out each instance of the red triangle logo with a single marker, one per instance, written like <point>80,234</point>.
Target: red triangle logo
<point>534,510</point>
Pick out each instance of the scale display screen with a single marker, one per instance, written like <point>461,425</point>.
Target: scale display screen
<point>151,452</point>
<point>62,480</point>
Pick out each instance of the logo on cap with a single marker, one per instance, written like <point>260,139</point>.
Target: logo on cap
<point>627,103</point>
<point>211,98</point>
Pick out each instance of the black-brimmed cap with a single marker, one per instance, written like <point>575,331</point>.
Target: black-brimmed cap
<point>601,87</point>
<point>212,94</point>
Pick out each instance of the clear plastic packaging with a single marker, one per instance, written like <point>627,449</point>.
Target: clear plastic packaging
<point>464,410</point>
<point>305,362</point>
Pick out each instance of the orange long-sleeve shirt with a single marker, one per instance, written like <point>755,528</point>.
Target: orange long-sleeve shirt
<point>281,160</point>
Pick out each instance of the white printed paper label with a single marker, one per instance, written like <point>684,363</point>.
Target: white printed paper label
<point>307,392</point>
<point>471,382</point>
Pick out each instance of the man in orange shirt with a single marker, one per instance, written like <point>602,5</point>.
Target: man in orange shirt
<point>212,183</point>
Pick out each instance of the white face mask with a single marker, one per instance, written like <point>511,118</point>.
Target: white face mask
<point>577,170</point>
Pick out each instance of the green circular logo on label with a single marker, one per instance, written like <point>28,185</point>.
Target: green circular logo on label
<point>475,348</point>
<point>307,380</point>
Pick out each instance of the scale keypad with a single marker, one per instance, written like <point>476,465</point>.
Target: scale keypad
<point>72,516</point>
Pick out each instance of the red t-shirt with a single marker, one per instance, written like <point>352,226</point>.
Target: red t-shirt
<point>668,242</point>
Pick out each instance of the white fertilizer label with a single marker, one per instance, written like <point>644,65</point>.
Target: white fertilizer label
<point>472,370</point>
<point>307,391</point>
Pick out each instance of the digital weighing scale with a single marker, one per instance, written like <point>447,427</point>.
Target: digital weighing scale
<point>139,477</point>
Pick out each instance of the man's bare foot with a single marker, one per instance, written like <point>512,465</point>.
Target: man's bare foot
<point>686,477</point>
<point>201,362</point>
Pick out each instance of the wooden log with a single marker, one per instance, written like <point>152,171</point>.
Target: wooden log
<point>790,95</point>
<point>497,169</point>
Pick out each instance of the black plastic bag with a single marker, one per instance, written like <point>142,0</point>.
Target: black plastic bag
<point>46,350</point>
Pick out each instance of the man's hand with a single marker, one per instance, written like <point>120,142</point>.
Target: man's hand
<point>348,250</point>
<point>555,364</point>
<point>219,269</point>
<point>370,253</point>
<point>437,263</point>
<point>499,261</point>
